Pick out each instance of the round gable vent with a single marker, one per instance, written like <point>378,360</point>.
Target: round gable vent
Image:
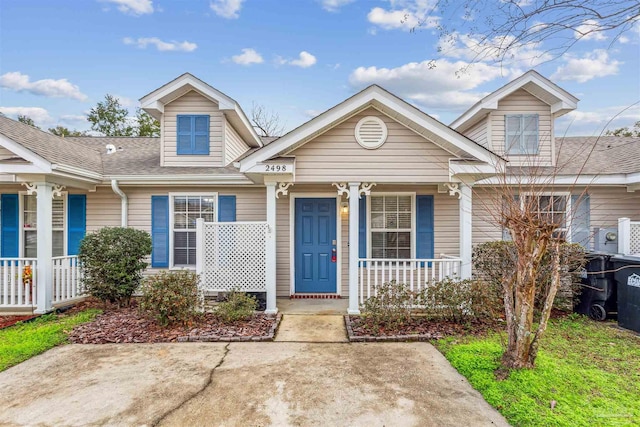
<point>371,132</point>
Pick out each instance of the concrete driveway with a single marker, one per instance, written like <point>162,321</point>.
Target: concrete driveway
<point>247,384</point>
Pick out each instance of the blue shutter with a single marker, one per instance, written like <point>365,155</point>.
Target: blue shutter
<point>201,135</point>
<point>184,134</point>
<point>580,221</point>
<point>10,223</point>
<point>160,231</point>
<point>76,222</point>
<point>424,227</point>
<point>226,208</point>
<point>362,228</point>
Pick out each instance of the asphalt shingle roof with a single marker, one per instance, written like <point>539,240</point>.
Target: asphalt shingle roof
<point>604,155</point>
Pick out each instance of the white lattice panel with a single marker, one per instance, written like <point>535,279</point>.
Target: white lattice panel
<point>634,243</point>
<point>234,257</point>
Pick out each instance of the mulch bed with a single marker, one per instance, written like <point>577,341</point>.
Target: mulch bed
<point>128,325</point>
<point>419,328</point>
<point>6,321</point>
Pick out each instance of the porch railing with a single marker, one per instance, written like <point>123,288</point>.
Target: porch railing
<point>67,283</point>
<point>18,282</point>
<point>415,273</point>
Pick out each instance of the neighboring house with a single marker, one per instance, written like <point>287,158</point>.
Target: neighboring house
<point>371,190</point>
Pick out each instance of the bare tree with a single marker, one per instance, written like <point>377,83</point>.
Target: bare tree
<point>266,122</point>
<point>498,30</point>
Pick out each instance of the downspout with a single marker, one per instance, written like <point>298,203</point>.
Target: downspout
<point>125,202</point>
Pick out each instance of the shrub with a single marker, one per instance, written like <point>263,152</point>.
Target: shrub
<point>459,300</point>
<point>390,306</point>
<point>238,306</point>
<point>112,260</point>
<point>171,296</point>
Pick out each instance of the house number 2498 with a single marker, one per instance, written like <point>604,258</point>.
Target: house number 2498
<point>275,168</point>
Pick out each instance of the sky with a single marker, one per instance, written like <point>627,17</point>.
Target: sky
<point>296,58</point>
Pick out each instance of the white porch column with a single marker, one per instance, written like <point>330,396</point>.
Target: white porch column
<point>45,240</point>
<point>624,236</point>
<point>271,248</point>
<point>465,230</point>
<point>354,218</point>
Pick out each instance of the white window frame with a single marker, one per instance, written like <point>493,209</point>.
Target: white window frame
<point>171,222</point>
<point>510,150</point>
<point>21,239</point>
<point>568,208</point>
<point>413,221</point>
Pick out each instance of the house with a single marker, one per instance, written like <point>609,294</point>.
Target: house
<point>371,190</point>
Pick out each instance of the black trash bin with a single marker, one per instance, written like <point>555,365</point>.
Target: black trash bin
<point>627,277</point>
<point>598,291</point>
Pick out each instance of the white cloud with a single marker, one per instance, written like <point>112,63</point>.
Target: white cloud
<point>133,7</point>
<point>436,84</point>
<point>334,5</point>
<point>305,60</point>
<point>73,118</point>
<point>162,46</point>
<point>248,57</point>
<point>39,115</point>
<point>593,64</point>
<point>593,122</point>
<point>229,9</point>
<point>125,101</point>
<point>60,88</point>
<point>405,15</point>
<point>589,31</point>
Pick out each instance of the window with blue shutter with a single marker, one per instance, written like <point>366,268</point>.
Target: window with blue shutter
<point>10,233</point>
<point>160,231</point>
<point>76,221</point>
<point>521,134</point>
<point>424,227</point>
<point>226,208</point>
<point>192,134</point>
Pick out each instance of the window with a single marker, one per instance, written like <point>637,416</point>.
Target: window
<point>30,226</point>
<point>391,226</point>
<point>521,134</point>
<point>552,208</point>
<point>186,209</point>
<point>192,134</point>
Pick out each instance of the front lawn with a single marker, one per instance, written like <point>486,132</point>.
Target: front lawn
<point>25,340</point>
<point>590,370</point>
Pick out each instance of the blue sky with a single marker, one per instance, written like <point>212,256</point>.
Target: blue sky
<point>298,58</point>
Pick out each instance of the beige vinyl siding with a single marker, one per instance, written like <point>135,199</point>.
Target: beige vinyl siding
<point>104,208</point>
<point>234,146</point>
<point>610,203</point>
<point>404,158</point>
<point>191,103</point>
<point>522,102</point>
<point>486,206</point>
<point>6,154</point>
<point>478,133</point>
<point>446,229</point>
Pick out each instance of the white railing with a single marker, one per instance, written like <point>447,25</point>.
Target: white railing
<point>67,278</point>
<point>232,255</point>
<point>415,273</point>
<point>17,289</point>
<point>628,236</point>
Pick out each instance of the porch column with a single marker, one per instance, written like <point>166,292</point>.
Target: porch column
<point>354,217</point>
<point>465,230</point>
<point>271,248</point>
<point>44,197</point>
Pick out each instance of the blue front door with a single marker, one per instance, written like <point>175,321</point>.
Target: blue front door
<point>315,241</point>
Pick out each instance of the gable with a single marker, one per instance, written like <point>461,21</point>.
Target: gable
<point>7,156</point>
<point>405,156</point>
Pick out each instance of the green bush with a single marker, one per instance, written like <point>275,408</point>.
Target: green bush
<point>171,296</point>
<point>459,300</point>
<point>112,260</point>
<point>390,306</point>
<point>238,306</point>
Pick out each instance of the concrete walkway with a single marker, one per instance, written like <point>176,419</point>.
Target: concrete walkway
<point>239,384</point>
<point>311,328</point>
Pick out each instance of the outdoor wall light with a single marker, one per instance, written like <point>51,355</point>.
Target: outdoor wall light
<point>344,207</point>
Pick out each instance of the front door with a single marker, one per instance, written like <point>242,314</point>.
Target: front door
<point>315,245</point>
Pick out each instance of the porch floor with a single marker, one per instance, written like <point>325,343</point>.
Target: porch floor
<point>313,306</point>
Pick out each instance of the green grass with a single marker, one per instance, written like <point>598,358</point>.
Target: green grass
<point>25,340</point>
<point>592,371</point>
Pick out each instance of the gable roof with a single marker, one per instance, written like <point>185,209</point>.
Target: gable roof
<point>154,102</point>
<point>387,103</point>
<point>603,155</point>
<point>560,101</point>
<point>43,146</point>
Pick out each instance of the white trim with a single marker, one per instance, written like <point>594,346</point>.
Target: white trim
<point>413,219</point>
<point>21,242</point>
<point>171,223</point>
<point>292,237</point>
<point>617,179</point>
<point>25,153</point>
